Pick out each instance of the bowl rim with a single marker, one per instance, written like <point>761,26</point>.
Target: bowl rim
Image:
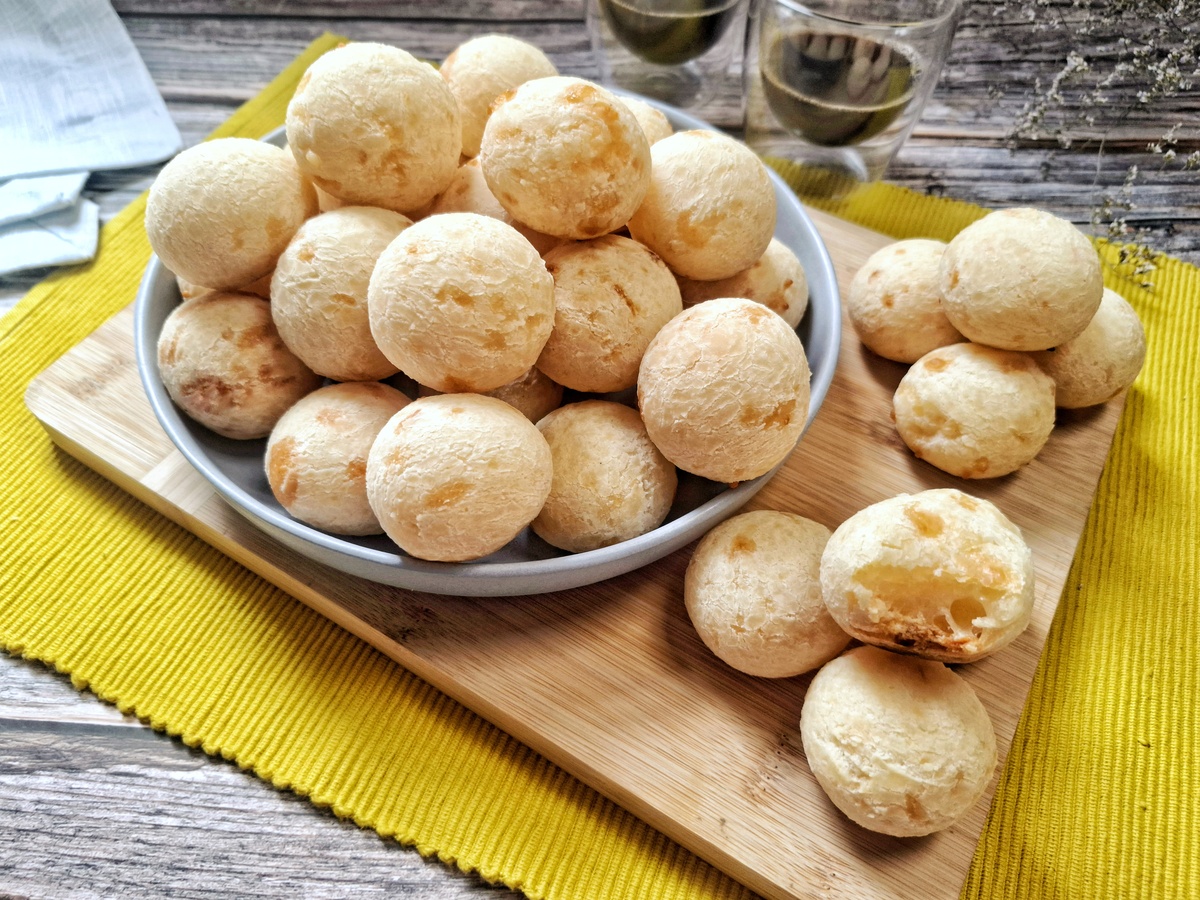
<point>481,577</point>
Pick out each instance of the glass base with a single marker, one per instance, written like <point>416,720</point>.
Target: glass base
<point>683,86</point>
<point>821,173</point>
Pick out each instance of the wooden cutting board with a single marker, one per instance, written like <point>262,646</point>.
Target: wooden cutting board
<point>610,681</point>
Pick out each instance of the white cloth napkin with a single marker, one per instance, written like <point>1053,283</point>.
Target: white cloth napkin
<point>27,198</point>
<point>57,239</point>
<point>74,94</point>
<point>75,97</point>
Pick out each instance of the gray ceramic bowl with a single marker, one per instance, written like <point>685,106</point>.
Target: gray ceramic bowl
<point>527,565</point>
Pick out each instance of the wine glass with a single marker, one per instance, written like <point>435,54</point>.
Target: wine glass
<point>836,86</point>
<point>677,51</point>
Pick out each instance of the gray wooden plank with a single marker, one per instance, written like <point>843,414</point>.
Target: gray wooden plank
<point>232,58</point>
<point>31,692</point>
<point>422,10</point>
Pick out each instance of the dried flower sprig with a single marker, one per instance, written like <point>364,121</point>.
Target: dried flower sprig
<point>1127,59</point>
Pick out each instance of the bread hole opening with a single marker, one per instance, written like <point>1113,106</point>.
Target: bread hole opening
<point>947,603</point>
<point>963,613</point>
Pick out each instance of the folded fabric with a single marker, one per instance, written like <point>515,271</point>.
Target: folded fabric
<point>56,239</point>
<point>28,198</point>
<point>74,94</point>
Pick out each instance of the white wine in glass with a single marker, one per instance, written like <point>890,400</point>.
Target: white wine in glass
<point>683,52</point>
<point>836,86</point>
<point>669,33</point>
<point>836,89</point>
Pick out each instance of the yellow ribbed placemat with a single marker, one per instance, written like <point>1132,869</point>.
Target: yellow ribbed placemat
<point>1098,799</point>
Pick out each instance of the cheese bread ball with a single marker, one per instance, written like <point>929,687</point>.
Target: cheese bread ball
<point>610,482</point>
<point>902,746</point>
<point>468,192</point>
<point>724,390</point>
<point>654,122</point>
<point>187,290</point>
<point>326,201</point>
<point>374,126</point>
<point>1020,279</point>
<point>611,297</point>
<point>482,69</point>
<point>777,281</point>
<point>1102,361</point>
<point>566,157</point>
<point>316,460</point>
<point>753,592</point>
<point>710,209</point>
<point>221,212</point>
<point>319,292</point>
<point>224,365</point>
<point>461,302</point>
<point>457,476</point>
<point>939,574</point>
<point>975,411</point>
<point>533,394</point>
<point>259,288</point>
<point>895,301</point>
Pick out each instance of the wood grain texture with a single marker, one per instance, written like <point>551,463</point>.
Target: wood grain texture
<point>421,10</point>
<point>610,681</point>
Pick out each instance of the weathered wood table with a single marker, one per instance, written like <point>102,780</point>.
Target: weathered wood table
<point>95,804</point>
